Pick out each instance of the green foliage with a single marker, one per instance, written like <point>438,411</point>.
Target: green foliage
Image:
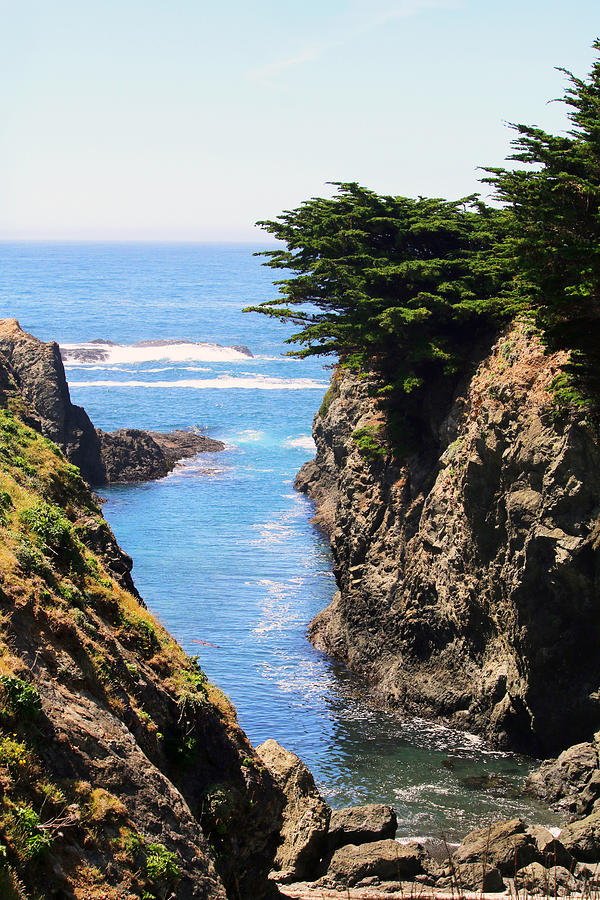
<point>31,840</point>
<point>49,524</point>
<point>370,442</point>
<point>140,634</point>
<point>388,279</point>
<point>14,755</point>
<point>393,285</point>
<point>161,864</point>
<point>6,504</point>
<point>555,229</point>
<point>32,561</point>
<point>192,688</point>
<point>71,594</point>
<point>218,811</point>
<point>20,698</point>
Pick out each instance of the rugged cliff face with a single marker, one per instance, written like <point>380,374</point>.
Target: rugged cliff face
<point>102,457</point>
<point>469,580</point>
<point>123,772</point>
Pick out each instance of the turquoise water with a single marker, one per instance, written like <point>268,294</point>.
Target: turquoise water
<point>224,551</point>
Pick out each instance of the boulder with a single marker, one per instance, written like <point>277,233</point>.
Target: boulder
<point>564,779</point>
<point>305,815</point>
<point>582,838</point>
<point>472,877</point>
<point>386,860</point>
<point>505,845</point>
<point>361,824</point>
<point>535,879</point>
<point>552,852</point>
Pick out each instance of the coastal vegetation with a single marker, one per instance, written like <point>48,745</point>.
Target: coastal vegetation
<point>409,288</point>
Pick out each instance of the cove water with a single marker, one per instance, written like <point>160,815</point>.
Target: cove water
<point>224,552</point>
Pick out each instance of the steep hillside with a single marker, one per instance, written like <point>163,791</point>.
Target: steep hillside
<point>469,579</point>
<point>123,772</point>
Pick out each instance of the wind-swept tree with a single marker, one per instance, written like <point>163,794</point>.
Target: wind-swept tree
<point>397,285</point>
<point>555,235</point>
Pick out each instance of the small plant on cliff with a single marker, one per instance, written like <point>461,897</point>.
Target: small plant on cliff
<point>370,442</point>
<point>19,697</point>
<point>30,838</point>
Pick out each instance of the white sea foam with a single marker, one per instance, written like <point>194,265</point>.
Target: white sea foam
<point>304,442</point>
<point>223,382</point>
<point>118,354</point>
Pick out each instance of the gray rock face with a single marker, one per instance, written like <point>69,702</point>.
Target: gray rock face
<point>386,860</point>
<point>361,824</point>
<point>468,577</point>
<point>305,815</point>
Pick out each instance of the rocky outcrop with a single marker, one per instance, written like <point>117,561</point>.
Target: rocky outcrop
<point>123,772</point>
<point>572,781</point>
<point>133,455</point>
<point>469,575</point>
<point>102,457</point>
<point>303,835</point>
<point>40,375</point>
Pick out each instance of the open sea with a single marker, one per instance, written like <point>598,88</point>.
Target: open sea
<point>224,551</point>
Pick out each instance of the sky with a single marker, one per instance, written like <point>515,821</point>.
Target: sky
<point>188,120</point>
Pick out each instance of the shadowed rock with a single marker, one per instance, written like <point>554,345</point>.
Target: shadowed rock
<point>305,815</point>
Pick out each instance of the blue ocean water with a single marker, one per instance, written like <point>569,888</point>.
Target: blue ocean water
<point>224,551</point>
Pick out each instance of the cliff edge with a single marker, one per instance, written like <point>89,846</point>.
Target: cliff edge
<point>469,578</point>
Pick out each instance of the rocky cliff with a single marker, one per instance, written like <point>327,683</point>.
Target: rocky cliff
<point>123,772</point>
<point>469,576</point>
<point>102,457</point>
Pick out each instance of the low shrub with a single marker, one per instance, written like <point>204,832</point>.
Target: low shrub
<point>20,697</point>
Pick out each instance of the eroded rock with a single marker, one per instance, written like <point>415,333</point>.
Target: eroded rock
<point>387,860</point>
<point>305,815</point>
<point>360,825</point>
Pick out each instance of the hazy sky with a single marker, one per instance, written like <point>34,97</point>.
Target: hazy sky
<point>189,120</point>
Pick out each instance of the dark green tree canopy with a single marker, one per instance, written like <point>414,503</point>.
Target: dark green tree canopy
<point>389,283</point>
<point>555,233</point>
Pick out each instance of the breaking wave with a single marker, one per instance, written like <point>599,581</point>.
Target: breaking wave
<point>223,382</point>
<point>94,352</point>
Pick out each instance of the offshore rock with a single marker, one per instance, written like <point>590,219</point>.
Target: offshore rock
<point>305,815</point>
<point>469,573</point>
